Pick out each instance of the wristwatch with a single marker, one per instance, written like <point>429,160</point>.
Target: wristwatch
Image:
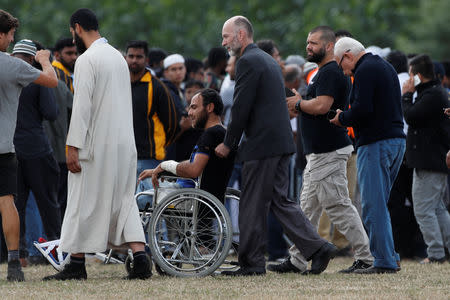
<point>297,106</point>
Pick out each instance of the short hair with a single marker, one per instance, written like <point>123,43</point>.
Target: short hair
<point>7,21</point>
<point>347,44</point>
<point>267,46</point>
<point>446,65</point>
<point>192,82</point>
<point>398,60</point>
<point>342,33</point>
<point>212,96</point>
<point>63,43</point>
<point>292,72</point>
<point>243,23</point>
<point>216,55</point>
<point>155,56</point>
<point>85,18</point>
<point>327,33</point>
<point>139,45</point>
<point>422,64</point>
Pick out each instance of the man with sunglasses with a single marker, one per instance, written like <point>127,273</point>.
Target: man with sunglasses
<point>376,116</point>
<point>327,148</point>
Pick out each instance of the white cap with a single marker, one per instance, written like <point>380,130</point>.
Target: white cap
<point>173,59</point>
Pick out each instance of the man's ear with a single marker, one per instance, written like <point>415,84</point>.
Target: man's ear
<point>78,29</point>
<point>57,55</point>
<point>210,107</point>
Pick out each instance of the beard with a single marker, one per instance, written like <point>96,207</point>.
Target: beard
<point>68,66</point>
<point>136,69</point>
<point>316,57</point>
<point>81,47</point>
<point>201,120</point>
<point>235,48</point>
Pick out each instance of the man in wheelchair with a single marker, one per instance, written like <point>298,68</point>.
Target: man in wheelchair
<point>205,111</point>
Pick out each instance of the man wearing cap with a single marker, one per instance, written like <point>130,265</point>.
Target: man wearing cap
<point>14,75</point>
<point>38,170</point>
<point>101,157</point>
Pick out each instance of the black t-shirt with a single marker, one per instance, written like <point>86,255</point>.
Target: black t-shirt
<point>218,170</point>
<point>319,135</point>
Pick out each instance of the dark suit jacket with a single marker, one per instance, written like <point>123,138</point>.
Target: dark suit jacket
<point>259,108</point>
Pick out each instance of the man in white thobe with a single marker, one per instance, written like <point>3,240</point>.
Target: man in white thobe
<point>101,157</point>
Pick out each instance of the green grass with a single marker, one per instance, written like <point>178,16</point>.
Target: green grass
<point>414,281</point>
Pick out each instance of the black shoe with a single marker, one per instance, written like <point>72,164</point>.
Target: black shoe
<point>375,270</point>
<point>141,268</point>
<point>70,272</point>
<point>357,265</point>
<point>15,271</point>
<point>321,258</point>
<point>245,272</point>
<point>285,267</point>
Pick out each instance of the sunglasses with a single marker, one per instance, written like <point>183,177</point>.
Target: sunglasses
<point>342,58</point>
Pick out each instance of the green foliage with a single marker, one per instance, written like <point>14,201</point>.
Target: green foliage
<point>193,27</point>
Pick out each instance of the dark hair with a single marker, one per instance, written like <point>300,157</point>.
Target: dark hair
<point>7,21</point>
<point>398,60</point>
<point>39,46</point>
<point>244,22</point>
<point>267,46</point>
<point>192,65</point>
<point>63,43</point>
<point>192,83</point>
<point>216,56</point>
<point>85,18</point>
<point>439,70</point>
<point>342,33</point>
<point>139,45</point>
<point>212,96</point>
<point>327,33</point>
<point>422,64</point>
<point>446,65</point>
<point>155,56</point>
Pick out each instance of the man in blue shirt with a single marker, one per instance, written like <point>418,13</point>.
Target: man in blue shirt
<point>376,117</point>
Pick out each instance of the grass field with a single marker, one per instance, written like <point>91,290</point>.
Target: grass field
<point>414,281</point>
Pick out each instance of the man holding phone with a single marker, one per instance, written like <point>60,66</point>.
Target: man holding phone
<point>327,148</point>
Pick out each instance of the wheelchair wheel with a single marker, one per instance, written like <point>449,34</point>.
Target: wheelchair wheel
<point>232,197</point>
<point>190,233</point>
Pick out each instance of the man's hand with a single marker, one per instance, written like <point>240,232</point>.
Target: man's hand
<point>155,173</point>
<point>42,56</point>
<point>447,159</point>
<point>291,101</point>
<point>447,112</point>
<point>222,150</point>
<point>185,123</point>
<point>72,160</point>
<point>408,85</point>
<point>145,174</point>
<point>335,120</point>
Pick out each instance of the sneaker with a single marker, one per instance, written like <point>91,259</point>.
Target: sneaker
<point>15,271</point>
<point>375,270</point>
<point>70,272</point>
<point>431,260</point>
<point>357,265</point>
<point>285,267</point>
<point>140,269</point>
<point>245,272</point>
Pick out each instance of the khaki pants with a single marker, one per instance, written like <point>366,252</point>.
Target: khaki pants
<point>325,189</point>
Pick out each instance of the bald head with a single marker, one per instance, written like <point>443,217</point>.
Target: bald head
<point>237,33</point>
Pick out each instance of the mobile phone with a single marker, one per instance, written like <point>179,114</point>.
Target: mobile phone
<point>416,80</point>
<point>288,92</point>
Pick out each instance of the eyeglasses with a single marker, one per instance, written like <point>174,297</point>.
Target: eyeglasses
<point>342,58</point>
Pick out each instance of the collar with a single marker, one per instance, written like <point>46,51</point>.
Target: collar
<point>426,85</point>
<point>249,46</point>
<point>147,77</point>
<point>359,62</point>
<point>60,66</point>
<point>99,41</point>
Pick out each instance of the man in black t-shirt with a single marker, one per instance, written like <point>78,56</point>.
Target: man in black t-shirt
<point>327,148</point>
<point>205,111</point>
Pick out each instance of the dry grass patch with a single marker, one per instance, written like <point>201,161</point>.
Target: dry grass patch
<point>415,281</point>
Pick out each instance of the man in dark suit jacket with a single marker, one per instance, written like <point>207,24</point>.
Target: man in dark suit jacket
<point>260,111</point>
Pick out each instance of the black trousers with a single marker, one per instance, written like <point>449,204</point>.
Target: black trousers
<point>264,187</point>
<point>39,175</point>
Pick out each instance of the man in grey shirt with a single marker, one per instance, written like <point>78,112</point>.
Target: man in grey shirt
<point>14,75</point>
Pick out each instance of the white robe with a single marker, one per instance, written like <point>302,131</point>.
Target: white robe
<point>101,210</point>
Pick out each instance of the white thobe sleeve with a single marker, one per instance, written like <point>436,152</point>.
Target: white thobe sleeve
<point>82,104</point>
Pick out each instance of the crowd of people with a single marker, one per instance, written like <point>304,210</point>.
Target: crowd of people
<point>343,152</point>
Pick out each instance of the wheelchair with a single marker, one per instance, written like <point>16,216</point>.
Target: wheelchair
<point>189,231</point>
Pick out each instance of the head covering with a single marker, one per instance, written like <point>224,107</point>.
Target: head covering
<point>308,66</point>
<point>25,47</point>
<point>295,59</point>
<point>173,59</point>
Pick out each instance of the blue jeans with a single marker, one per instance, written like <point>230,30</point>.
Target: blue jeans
<point>378,164</point>
<point>35,229</point>
<point>146,184</point>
